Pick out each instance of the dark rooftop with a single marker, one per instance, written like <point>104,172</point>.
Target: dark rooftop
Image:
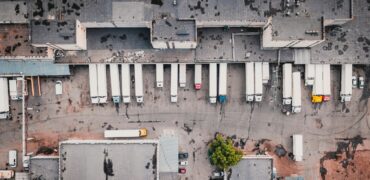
<point>253,168</point>
<point>170,29</point>
<point>52,31</point>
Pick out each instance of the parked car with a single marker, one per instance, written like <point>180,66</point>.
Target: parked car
<point>361,82</point>
<point>183,155</point>
<point>354,81</point>
<point>183,163</point>
<point>217,174</point>
<point>182,170</point>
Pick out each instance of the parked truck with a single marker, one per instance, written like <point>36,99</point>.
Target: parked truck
<point>174,79</point>
<point>4,98</point>
<point>13,90</point>
<point>287,83</point>
<point>309,76</point>
<point>198,76</point>
<point>182,75</point>
<point>126,83</point>
<point>212,83</point>
<point>249,81</point>
<point>296,94</point>
<point>326,82</point>
<point>114,82</point>
<point>222,84</point>
<point>102,83</point>
<point>317,89</point>
<point>258,81</point>
<point>93,82</point>
<point>159,75</point>
<point>128,133</point>
<point>139,83</point>
<point>346,83</point>
<point>298,147</point>
<point>265,72</point>
<point>6,174</point>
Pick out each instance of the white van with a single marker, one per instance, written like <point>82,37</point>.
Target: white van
<point>13,158</point>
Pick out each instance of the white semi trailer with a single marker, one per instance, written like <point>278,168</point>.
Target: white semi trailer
<point>326,82</point>
<point>198,76</point>
<point>346,83</point>
<point>296,94</point>
<point>93,82</point>
<point>13,89</point>
<point>114,82</point>
<point>139,83</point>
<point>258,81</point>
<point>222,83</point>
<point>4,98</point>
<point>212,83</point>
<point>182,75</point>
<point>249,81</point>
<point>126,83</point>
<point>309,76</point>
<point>317,89</point>
<point>287,83</point>
<point>265,72</point>
<point>298,147</point>
<point>102,83</point>
<point>174,81</point>
<point>159,75</point>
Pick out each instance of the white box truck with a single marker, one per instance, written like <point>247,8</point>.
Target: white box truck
<point>182,75</point>
<point>159,75</point>
<point>317,89</point>
<point>326,82</point>
<point>126,83</point>
<point>6,174</point>
<point>296,95</point>
<point>93,82</point>
<point>114,82</point>
<point>222,84</point>
<point>174,79</point>
<point>102,83</point>
<point>346,83</point>
<point>309,75</point>
<point>212,83</point>
<point>249,81</point>
<point>128,133</point>
<point>12,158</point>
<point>4,98</point>
<point>139,83</point>
<point>265,72</point>
<point>298,147</point>
<point>287,83</point>
<point>198,77</point>
<point>258,81</point>
<point>13,89</point>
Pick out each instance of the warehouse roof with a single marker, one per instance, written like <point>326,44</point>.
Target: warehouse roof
<point>13,12</point>
<point>170,29</point>
<point>253,168</point>
<point>52,31</point>
<point>44,167</point>
<point>34,68</point>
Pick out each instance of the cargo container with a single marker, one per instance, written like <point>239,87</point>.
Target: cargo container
<point>159,75</point>
<point>296,94</point>
<point>126,83</point>
<point>6,174</point>
<point>317,89</point>
<point>12,158</point>
<point>309,76</point>
<point>298,147</point>
<point>249,81</point>
<point>258,81</point>
<point>174,79</point>
<point>102,83</point>
<point>58,88</point>
<point>182,75</point>
<point>13,90</point>
<point>212,83</point>
<point>128,133</point>
<point>93,82</point>
<point>4,98</point>
<point>114,82</point>
<point>326,82</point>
<point>222,83</point>
<point>139,83</point>
<point>265,72</point>
<point>287,83</point>
<point>346,83</point>
<point>198,76</point>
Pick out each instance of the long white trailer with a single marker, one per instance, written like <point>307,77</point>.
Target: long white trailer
<point>4,98</point>
<point>326,80</point>
<point>127,133</point>
<point>346,83</point>
<point>114,82</point>
<point>298,147</point>
<point>13,89</point>
<point>102,83</point>
<point>287,83</point>
<point>265,72</point>
<point>309,76</point>
<point>198,76</point>
<point>126,83</point>
<point>159,75</point>
<point>222,84</point>
<point>212,83</point>
<point>93,82</point>
<point>249,81</point>
<point>317,89</point>
<point>174,79</point>
<point>182,75</point>
<point>139,83</point>
<point>258,81</point>
<point>296,95</point>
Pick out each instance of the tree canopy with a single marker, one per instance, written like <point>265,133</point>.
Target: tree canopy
<point>223,154</point>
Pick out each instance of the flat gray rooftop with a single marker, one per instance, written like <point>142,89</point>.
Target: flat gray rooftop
<point>253,168</point>
<point>44,168</point>
<point>171,29</point>
<point>55,32</point>
<point>34,68</point>
<point>13,12</point>
<point>109,159</point>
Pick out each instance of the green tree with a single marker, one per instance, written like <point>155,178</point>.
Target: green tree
<point>223,154</point>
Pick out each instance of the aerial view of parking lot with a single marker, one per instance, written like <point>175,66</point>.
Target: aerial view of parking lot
<point>184,89</point>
